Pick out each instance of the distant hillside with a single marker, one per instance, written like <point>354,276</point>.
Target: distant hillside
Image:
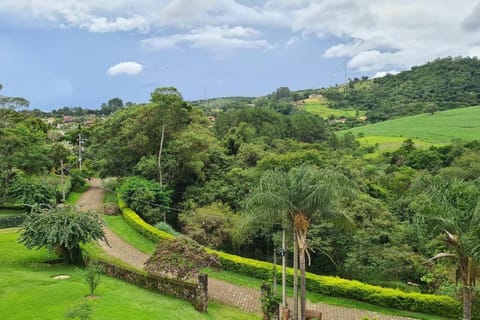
<point>438,85</point>
<point>439,128</point>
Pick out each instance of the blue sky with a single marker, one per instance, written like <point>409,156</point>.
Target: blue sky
<point>61,53</point>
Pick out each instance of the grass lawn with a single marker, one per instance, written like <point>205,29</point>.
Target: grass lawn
<point>118,225</point>
<point>73,196</point>
<point>439,128</point>
<point>28,292</point>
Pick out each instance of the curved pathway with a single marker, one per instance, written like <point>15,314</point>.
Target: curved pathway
<point>247,299</point>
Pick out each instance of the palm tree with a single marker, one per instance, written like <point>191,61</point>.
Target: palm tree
<point>295,199</point>
<point>453,209</point>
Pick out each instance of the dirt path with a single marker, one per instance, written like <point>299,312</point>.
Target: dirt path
<point>247,299</point>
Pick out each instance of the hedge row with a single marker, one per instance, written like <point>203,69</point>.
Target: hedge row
<point>137,223</point>
<point>11,221</point>
<point>331,286</point>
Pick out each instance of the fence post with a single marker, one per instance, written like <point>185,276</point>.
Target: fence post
<point>201,303</point>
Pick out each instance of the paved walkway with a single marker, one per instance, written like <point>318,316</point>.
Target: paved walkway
<point>247,299</point>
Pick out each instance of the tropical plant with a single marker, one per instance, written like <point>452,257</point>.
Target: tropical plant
<point>92,277</point>
<point>82,310</point>
<point>452,208</point>
<point>62,229</point>
<point>295,199</point>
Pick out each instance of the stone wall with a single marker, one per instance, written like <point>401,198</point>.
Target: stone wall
<point>197,293</point>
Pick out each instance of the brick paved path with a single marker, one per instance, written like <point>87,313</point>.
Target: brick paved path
<point>247,299</point>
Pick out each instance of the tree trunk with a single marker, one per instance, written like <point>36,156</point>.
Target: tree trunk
<point>295,276</point>
<point>467,302</point>
<point>303,290</point>
<point>160,157</point>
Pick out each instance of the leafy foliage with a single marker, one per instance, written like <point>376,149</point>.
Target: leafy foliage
<point>62,229</point>
<point>180,257</point>
<point>211,225</point>
<point>149,198</point>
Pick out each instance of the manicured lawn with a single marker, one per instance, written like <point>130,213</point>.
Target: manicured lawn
<point>118,225</point>
<point>12,252</point>
<point>29,292</point>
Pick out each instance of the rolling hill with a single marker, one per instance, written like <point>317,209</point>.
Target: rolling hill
<point>439,128</point>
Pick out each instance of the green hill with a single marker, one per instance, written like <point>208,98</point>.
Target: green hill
<point>442,84</point>
<point>439,128</point>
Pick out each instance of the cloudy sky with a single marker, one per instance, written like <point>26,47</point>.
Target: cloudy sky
<point>81,53</point>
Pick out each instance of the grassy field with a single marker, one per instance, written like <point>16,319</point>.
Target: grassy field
<point>440,128</point>
<point>29,292</point>
<point>319,106</point>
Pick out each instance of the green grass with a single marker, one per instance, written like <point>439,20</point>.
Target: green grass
<point>12,252</point>
<point>319,106</point>
<point>122,229</point>
<point>73,196</point>
<point>245,281</point>
<point>31,293</point>
<point>440,128</point>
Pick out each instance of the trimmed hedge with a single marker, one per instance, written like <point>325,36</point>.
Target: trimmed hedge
<point>137,223</point>
<point>11,221</point>
<point>331,286</point>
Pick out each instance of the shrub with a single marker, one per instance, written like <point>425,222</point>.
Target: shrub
<point>61,229</point>
<point>180,257</point>
<point>11,221</point>
<point>31,192</point>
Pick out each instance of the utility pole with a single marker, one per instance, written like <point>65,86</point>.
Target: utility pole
<point>284,271</point>
<point>63,181</point>
<point>80,148</point>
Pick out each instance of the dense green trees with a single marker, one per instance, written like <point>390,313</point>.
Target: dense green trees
<point>438,85</point>
<point>451,208</point>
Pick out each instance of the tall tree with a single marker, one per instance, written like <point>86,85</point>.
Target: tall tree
<point>453,210</point>
<point>295,199</point>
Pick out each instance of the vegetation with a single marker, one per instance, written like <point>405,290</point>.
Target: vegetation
<point>29,291</point>
<point>179,257</point>
<point>199,174</point>
<point>440,128</point>
<point>62,230</point>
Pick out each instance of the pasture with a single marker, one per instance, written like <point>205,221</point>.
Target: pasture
<point>425,129</point>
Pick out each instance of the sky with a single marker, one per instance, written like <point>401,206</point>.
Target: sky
<point>58,53</point>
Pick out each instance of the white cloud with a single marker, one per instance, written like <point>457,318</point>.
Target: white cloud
<point>381,74</point>
<point>374,35</point>
<point>214,38</point>
<point>129,67</point>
